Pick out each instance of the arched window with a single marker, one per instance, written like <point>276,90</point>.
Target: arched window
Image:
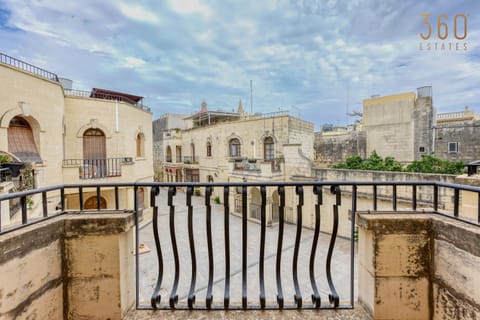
<point>21,142</point>
<point>234,147</point>
<point>268,149</point>
<point>209,149</point>
<point>140,145</point>
<point>94,144</point>
<point>168,157</point>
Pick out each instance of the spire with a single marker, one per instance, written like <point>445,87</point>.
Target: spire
<point>240,107</point>
<point>204,106</point>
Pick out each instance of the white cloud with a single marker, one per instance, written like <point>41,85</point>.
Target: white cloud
<point>132,62</point>
<point>186,7</point>
<point>139,13</point>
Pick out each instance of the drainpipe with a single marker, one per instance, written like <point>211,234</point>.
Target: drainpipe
<point>433,140</point>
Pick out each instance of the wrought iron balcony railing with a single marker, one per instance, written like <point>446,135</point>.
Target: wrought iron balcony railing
<point>243,164</point>
<point>179,256</point>
<point>5,174</point>
<point>112,97</point>
<point>98,168</point>
<point>19,64</point>
<point>190,160</point>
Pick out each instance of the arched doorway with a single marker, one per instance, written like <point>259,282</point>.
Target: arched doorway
<point>94,153</point>
<point>91,203</point>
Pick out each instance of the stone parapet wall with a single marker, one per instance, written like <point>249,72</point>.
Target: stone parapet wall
<point>416,266</point>
<point>74,266</point>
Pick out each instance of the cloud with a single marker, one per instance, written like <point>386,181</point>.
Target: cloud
<point>187,7</point>
<point>139,13</point>
<point>319,56</point>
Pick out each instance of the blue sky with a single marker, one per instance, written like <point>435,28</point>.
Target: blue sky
<point>316,58</point>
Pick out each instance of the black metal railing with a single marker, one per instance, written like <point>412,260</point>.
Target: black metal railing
<point>177,259</point>
<point>190,160</point>
<point>19,64</point>
<point>104,96</point>
<point>98,168</point>
<point>5,174</point>
<point>243,164</point>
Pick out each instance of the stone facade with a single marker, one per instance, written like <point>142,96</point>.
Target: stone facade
<point>272,147</point>
<point>403,126</point>
<point>464,134</point>
<point>69,267</point>
<point>41,118</point>
<point>334,147</point>
<point>399,125</point>
<point>418,267</point>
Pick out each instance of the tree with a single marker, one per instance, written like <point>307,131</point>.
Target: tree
<point>432,164</point>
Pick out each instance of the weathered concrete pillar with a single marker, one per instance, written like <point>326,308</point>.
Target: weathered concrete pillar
<point>394,266</point>
<point>99,265</point>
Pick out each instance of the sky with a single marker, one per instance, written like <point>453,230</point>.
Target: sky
<point>317,59</point>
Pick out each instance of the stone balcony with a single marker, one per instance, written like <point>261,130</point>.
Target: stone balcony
<point>410,264</point>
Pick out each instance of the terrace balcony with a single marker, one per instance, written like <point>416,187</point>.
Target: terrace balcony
<point>103,94</point>
<point>257,168</point>
<point>86,169</point>
<point>393,260</point>
<point>190,160</point>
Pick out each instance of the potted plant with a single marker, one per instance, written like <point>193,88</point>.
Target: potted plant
<point>14,167</point>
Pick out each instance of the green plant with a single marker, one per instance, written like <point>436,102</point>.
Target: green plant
<point>29,203</point>
<point>374,162</point>
<point>4,158</point>
<point>196,192</point>
<point>432,164</point>
<point>216,200</point>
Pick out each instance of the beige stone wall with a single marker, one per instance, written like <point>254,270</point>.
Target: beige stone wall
<point>31,273</point>
<point>45,112</point>
<point>388,124</point>
<point>424,193</point>
<point>418,267</point>
<point>86,259</point>
<point>58,123</point>
<point>250,132</point>
<point>82,114</point>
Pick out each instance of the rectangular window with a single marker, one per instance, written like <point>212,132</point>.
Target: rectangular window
<point>452,147</point>
<point>421,149</point>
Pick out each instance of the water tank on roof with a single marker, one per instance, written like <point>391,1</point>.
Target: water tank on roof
<point>66,83</point>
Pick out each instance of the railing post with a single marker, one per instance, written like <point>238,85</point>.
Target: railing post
<point>156,297</point>
<point>333,296</point>
<point>226,296</point>
<point>352,244</point>
<point>456,200</point>
<point>23,202</point>
<point>298,295</point>
<point>244,247</point>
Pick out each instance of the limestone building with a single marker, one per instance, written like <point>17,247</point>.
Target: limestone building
<point>404,126</point>
<point>70,136</point>
<point>218,146</point>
